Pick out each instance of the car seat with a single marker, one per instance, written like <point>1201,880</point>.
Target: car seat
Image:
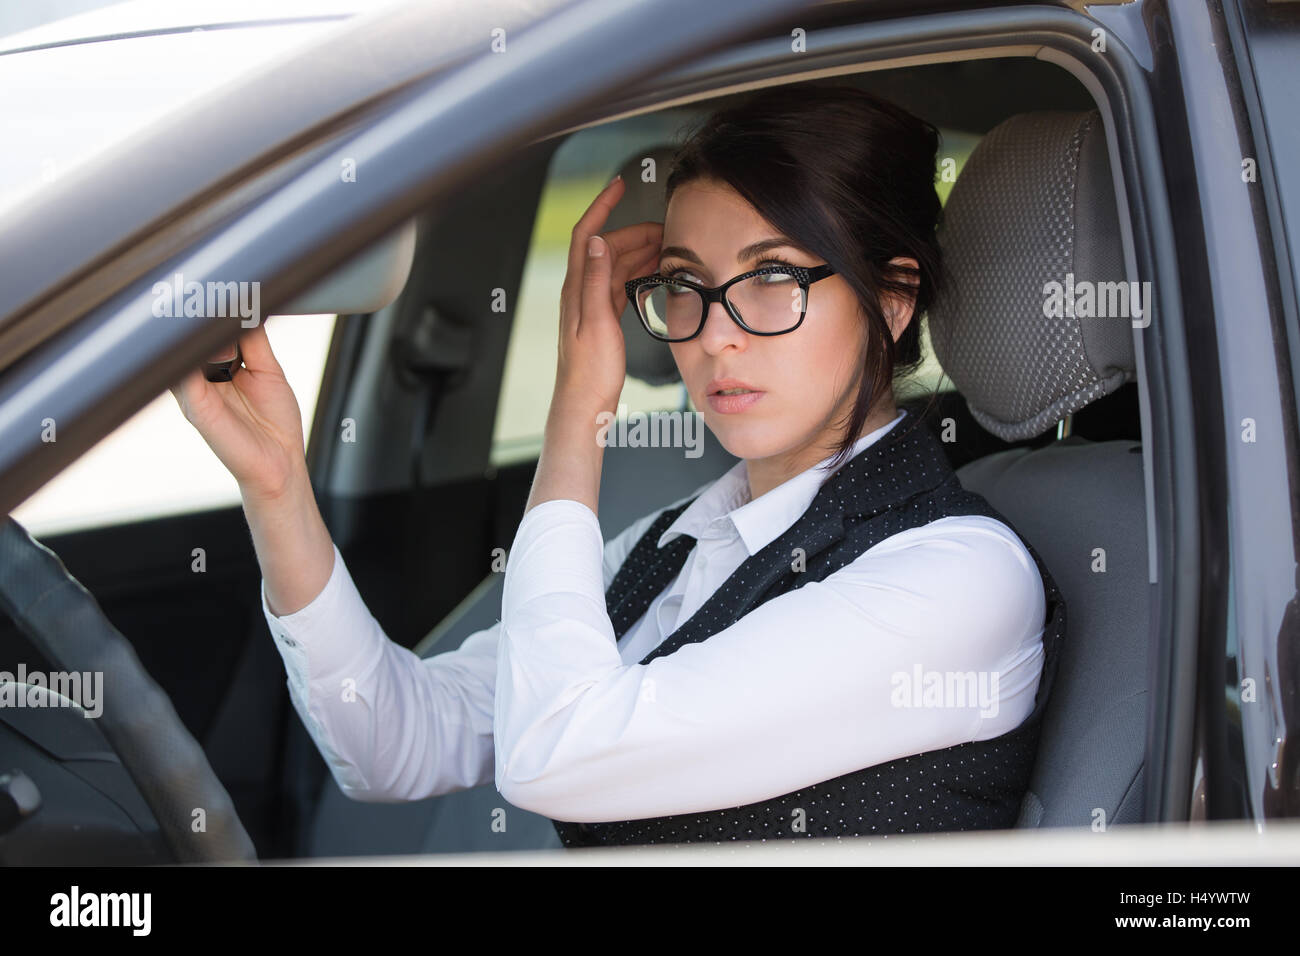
<point>1035,203</point>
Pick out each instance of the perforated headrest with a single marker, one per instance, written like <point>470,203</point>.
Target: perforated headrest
<point>1029,229</point>
<point>648,359</point>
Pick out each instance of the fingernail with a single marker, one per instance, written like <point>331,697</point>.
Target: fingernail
<point>595,247</point>
<point>617,177</point>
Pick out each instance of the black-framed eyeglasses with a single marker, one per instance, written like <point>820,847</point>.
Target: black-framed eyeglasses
<point>771,300</point>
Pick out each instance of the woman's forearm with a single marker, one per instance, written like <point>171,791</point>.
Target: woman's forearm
<point>293,546</point>
<point>571,459</point>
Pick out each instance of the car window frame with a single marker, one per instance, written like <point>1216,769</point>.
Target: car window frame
<point>1064,36</point>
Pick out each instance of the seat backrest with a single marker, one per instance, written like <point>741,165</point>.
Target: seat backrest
<point>1035,205</point>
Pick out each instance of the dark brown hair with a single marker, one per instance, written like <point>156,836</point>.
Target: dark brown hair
<point>848,177</point>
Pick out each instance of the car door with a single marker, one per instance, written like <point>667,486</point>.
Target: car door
<point>275,244</point>
<point>193,574</point>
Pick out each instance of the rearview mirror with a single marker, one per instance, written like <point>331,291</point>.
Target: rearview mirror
<point>366,284</point>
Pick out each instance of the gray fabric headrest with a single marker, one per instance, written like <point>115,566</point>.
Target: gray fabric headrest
<point>1034,205</point>
<point>648,359</point>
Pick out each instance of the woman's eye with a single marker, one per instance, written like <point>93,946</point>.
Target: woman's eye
<point>775,278</point>
<point>767,278</point>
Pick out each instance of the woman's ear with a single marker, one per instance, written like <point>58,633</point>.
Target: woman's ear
<point>898,311</point>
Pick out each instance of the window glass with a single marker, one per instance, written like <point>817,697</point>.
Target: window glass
<point>156,463</point>
<point>19,17</point>
<point>580,168</point>
<point>954,149</point>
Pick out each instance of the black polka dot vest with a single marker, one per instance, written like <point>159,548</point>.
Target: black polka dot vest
<point>901,481</point>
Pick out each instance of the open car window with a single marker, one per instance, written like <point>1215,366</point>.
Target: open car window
<point>156,463</point>
<point>580,167</point>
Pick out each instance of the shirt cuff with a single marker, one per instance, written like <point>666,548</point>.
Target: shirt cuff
<point>329,636</point>
<point>558,547</point>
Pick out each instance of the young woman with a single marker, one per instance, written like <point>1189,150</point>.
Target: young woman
<point>833,638</point>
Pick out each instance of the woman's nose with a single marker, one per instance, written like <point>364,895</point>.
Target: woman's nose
<point>720,331</point>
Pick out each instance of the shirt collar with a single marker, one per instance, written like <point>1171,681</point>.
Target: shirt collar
<point>726,502</point>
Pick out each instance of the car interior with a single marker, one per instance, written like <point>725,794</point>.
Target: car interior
<point>1041,417</point>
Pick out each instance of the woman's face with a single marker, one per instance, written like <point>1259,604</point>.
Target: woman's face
<point>805,379</point>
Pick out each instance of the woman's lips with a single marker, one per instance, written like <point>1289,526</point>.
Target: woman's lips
<point>733,404</point>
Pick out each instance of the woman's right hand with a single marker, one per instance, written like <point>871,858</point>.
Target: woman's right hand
<point>252,422</point>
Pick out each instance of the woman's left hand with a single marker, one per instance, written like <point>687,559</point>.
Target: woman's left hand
<point>592,357</point>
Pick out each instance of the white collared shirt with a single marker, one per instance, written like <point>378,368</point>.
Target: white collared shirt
<point>930,638</point>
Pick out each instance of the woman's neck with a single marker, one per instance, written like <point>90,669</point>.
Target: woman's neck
<point>767,473</point>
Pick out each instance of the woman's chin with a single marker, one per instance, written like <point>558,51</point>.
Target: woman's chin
<point>744,439</point>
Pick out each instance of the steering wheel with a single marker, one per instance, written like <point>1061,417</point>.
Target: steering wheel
<point>66,624</point>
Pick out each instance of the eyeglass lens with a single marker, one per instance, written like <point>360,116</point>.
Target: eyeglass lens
<point>772,302</point>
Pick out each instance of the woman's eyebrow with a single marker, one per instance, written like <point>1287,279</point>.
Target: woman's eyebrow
<point>749,252</point>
